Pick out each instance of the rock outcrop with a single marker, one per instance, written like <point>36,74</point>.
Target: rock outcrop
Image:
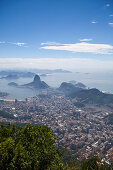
<point>37,83</point>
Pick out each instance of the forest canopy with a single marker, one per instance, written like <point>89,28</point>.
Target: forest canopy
<point>29,147</point>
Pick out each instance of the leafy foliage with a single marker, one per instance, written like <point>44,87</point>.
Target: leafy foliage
<point>94,163</point>
<point>34,148</point>
<point>28,148</point>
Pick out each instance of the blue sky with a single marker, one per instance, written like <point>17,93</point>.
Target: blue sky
<point>43,31</point>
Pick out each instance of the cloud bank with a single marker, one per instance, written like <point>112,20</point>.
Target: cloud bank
<point>55,63</point>
<point>82,47</point>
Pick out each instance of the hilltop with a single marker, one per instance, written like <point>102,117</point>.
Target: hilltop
<point>37,83</point>
<point>86,96</point>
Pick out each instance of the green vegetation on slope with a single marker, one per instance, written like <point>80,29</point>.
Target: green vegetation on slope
<point>93,96</point>
<point>28,148</point>
<point>86,96</point>
<point>34,148</point>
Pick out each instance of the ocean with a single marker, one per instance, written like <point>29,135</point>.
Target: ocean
<point>100,80</point>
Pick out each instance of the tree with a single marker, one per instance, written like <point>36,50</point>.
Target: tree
<point>94,163</point>
<point>28,148</point>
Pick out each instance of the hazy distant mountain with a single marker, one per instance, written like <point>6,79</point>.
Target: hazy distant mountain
<point>32,72</point>
<point>47,71</point>
<point>93,96</point>
<point>88,96</point>
<point>12,73</point>
<point>77,84</point>
<point>12,84</point>
<point>37,83</point>
<point>43,75</point>
<point>80,85</point>
<point>10,77</point>
<point>68,88</point>
<point>61,71</point>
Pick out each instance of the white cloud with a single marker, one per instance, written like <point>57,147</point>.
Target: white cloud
<point>15,43</point>
<point>50,43</point>
<point>94,22</point>
<point>55,63</point>
<point>111,15</point>
<point>83,47</point>
<point>110,23</point>
<point>18,43</point>
<point>107,5</point>
<point>85,39</point>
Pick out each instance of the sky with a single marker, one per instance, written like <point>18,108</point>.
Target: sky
<point>67,34</point>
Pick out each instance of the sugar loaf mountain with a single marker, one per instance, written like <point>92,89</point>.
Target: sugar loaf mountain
<point>73,90</point>
<point>37,83</point>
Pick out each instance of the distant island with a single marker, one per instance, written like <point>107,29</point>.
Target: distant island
<point>43,75</point>
<point>13,74</point>
<point>10,77</point>
<point>25,73</point>
<point>13,84</point>
<point>47,71</point>
<point>36,84</point>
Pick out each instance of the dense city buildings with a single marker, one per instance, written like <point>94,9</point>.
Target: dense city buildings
<point>82,130</point>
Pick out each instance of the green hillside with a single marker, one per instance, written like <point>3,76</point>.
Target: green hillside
<point>34,148</point>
